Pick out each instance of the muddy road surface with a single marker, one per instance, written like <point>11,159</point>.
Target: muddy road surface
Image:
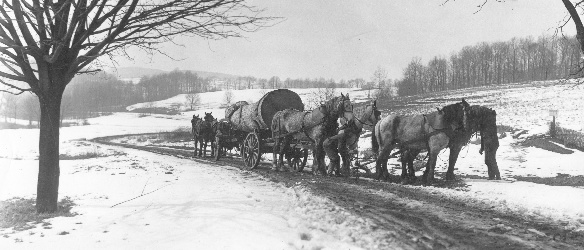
<point>415,217</point>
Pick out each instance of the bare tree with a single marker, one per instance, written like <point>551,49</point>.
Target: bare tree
<point>11,107</point>
<point>378,79</point>
<point>228,96</point>
<point>45,43</point>
<point>193,99</point>
<point>31,107</point>
<point>3,106</point>
<point>321,95</point>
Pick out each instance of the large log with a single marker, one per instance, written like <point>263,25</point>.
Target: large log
<point>258,115</point>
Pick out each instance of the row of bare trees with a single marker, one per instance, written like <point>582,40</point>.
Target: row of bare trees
<point>162,86</point>
<point>274,82</point>
<point>517,60</point>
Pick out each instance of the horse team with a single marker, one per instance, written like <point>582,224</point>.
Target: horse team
<point>449,127</point>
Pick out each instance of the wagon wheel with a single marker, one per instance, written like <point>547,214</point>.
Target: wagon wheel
<point>299,159</point>
<point>304,158</point>
<point>251,151</point>
<point>217,147</point>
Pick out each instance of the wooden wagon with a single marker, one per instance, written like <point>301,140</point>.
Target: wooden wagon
<point>250,127</point>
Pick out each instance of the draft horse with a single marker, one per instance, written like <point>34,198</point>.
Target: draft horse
<point>347,138</point>
<point>203,134</point>
<point>412,133</point>
<point>481,120</point>
<point>315,126</point>
<point>194,130</point>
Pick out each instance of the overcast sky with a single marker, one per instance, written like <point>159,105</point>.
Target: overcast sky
<point>350,39</point>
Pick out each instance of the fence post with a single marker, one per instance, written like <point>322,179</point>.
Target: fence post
<point>553,113</point>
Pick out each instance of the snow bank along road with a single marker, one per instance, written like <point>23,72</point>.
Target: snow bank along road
<point>386,214</point>
<point>133,199</point>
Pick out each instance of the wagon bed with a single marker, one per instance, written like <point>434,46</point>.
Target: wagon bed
<point>252,124</point>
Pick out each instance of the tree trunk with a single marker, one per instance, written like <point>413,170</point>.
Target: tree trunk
<point>48,178</point>
<point>577,21</point>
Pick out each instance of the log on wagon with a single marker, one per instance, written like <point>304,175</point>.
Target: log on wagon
<point>251,122</point>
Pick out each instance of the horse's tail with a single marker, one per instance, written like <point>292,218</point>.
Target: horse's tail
<point>394,126</point>
<point>376,142</point>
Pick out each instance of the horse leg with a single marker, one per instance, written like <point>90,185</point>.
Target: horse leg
<point>285,150</point>
<point>491,161</point>
<point>200,144</point>
<point>404,161</point>
<point>276,151</point>
<point>289,159</point>
<point>195,151</point>
<point>454,151</point>
<point>433,156</point>
<point>413,153</point>
<point>213,148</point>
<point>314,162</point>
<point>381,162</point>
<point>385,171</point>
<point>319,167</point>
<point>435,144</point>
<point>407,159</point>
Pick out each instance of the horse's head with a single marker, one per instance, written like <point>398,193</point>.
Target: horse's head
<point>209,117</point>
<point>343,107</point>
<point>456,115</point>
<point>368,115</point>
<point>195,119</point>
<point>375,113</point>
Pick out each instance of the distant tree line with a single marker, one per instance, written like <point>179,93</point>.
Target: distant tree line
<point>517,60</point>
<point>275,82</point>
<point>89,94</point>
<point>166,85</point>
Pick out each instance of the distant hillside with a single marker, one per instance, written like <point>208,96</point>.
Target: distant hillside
<point>138,72</point>
<point>213,74</point>
<point>134,72</point>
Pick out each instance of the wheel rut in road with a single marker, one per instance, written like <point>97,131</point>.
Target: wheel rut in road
<point>417,218</point>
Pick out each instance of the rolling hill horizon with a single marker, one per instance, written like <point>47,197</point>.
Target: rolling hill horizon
<point>138,72</point>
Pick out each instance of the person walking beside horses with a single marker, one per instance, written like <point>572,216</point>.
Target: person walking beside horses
<point>337,144</point>
<point>347,137</point>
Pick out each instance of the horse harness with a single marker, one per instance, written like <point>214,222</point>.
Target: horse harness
<point>449,133</point>
<point>305,129</point>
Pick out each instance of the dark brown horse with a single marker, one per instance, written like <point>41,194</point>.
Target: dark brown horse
<point>347,137</point>
<point>226,138</point>
<point>481,120</point>
<point>417,132</point>
<point>194,130</point>
<point>204,134</point>
<point>315,125</point>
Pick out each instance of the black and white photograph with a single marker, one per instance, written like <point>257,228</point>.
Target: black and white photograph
<point>292,124</point>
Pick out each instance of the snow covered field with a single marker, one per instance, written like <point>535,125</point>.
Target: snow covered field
<point>194,205</point>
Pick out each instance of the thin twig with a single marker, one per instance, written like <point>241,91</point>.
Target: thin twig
<point>145,185</point>
<point>140,195</point>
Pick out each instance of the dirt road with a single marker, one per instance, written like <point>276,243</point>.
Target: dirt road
<point>415,216</point>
